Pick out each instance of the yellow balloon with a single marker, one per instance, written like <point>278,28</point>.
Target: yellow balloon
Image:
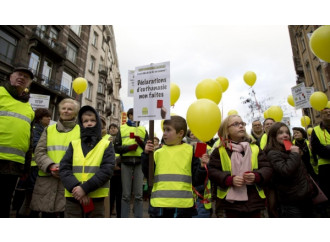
<point>309,130</point>
<point>305,121</point>
<point>209,89</point>
<point>175,93</point>
<point>276,113</point>
<point>250,78</point>
<point>232,112</point>
<point>79,85</point>
<point>223,81</point>
<point>320,43</point>
<point>318,100</point>
<point>266,114</point>
<point>328,105</point>
<point>290,100</point>
<point>162,122</point>
<point>204,119</point>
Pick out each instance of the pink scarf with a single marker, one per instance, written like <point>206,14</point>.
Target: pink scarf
<point>239,165</point>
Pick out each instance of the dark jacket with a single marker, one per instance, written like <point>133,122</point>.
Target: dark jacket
<point>306,157</point>
<point>122,149</point>
<point>218,177</point>
<point>37,131</point>
<point>7,166</point>
<point>89,139</point>
<point>290,178</point>
<point>198,178</point>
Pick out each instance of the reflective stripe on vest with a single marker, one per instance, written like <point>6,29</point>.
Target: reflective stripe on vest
<point>172,181</point>
<point>15,127</point>
<point>125,131</point>
<point>226,166</point>
<point>84,168</point>
<point>263,141</point>
<point>324,138</point>
<point>58,143</point>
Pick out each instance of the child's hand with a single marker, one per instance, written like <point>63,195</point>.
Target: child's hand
<point>238,181</point>
<point>149,147</point>
<point>84,200</point>
<point>205,159</point>
<point>249,177</point>
<point>294,148</point>
<point>78,193</point>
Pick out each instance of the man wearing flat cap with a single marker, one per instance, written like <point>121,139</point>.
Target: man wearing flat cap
<point>16,116</point>
<point>320,142</point>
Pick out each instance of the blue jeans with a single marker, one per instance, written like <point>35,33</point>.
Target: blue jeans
<point>201,210</point>
<point>132,174</point>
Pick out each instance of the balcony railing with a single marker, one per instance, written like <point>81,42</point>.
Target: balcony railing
<point>51,84</point>
<point>103,69</point>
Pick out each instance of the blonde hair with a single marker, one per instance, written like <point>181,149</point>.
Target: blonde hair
<point>223,132</point>
<point>69,100</point>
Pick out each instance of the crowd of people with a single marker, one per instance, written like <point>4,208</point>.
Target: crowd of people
<point>70,168</point>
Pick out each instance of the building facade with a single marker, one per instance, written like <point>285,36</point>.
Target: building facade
<point>310,69</point>
<point>57,54</point>
<point>102,74</point>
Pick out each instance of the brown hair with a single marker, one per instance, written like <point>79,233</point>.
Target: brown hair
<point>223,130</point>
<point>178,123</point>
<point>40,113</point>
<point>272,143</point>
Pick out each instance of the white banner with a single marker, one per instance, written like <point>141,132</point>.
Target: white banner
<point>300,96</point>
<point>39,101</point>
<point>130,86</point>
<point>152,92</point>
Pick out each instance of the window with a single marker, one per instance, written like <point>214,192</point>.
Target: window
<point>53,35</point>
<point>309,74</point>
<point>92,64</point>
<point>34,63</point>
<point>41,31</point>
<point>100,86</point>
<point>320,73</point>
<point>66,83</point>
<point>47,70</point>
<point>72,51</point>
<point>95,39</point>
<point>89,91</point>
<point>7,47</point>
<point>76,29</point>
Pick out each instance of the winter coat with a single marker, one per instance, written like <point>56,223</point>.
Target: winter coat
<point>48,193</point>
<point>290,179</point>
<point>89,139</point>
<point>218,177</point>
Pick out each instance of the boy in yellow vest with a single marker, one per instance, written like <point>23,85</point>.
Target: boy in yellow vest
<point>86,168</point>
<point>176,170</point>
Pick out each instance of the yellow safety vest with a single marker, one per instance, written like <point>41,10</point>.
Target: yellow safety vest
<point>263,141</point>
<point>324,138</point>
<point>125,131</point>
<point>226,166</point>
<point>15,127</point>
<point>58,143</point>
<point>172,181</point>
<point>33,160</point>
<point>313,163</point>
<point>84,168</point>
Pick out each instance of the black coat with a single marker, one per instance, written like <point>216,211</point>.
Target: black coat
<point>290,178</point>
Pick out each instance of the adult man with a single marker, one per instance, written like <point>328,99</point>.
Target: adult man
<point>16,116</point>
<point>320,141</point>
<point>266,125</point>
<point>257,131</point>
<point>130,142</point>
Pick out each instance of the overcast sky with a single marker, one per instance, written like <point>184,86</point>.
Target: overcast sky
<point>199,52</point>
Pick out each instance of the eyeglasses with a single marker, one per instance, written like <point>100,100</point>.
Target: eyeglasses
<point>237,124</point>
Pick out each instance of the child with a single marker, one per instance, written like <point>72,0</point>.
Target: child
<point>239,170</point>
<point>291,181</point>
<point>86,168</point>
<point>176,170</point>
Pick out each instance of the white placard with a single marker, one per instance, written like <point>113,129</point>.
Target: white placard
<point>130,86</point>
<point>300,97</point>
<point>39,101</point>
<point>152,92</point>
<point>286,120</point>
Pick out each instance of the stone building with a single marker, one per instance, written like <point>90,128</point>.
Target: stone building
<point>310,70</point>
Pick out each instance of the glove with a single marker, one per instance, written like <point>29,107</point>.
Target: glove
<point>132,147</point>
<point>139,141</point>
